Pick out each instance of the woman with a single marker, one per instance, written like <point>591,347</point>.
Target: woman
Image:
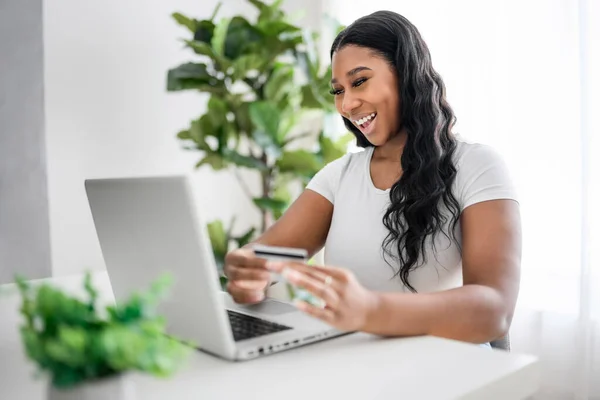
<point>421,230</point>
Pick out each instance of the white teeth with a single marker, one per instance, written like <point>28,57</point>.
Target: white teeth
<point>364,119</point>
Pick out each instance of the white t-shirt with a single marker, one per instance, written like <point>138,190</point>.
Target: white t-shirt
<point>357,232</point>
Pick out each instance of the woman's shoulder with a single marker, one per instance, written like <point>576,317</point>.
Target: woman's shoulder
<point>352,161</point>
<point>327,181</point>
<point>482,174</point>
<point>472,154</point>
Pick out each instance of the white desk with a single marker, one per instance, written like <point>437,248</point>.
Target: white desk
<point>357,366</point>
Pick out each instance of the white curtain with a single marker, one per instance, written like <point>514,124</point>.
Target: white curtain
<point>519,75</point>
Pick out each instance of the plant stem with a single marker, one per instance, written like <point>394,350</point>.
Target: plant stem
<point>214,14</point>
<point>296,137</point>
<point>267,188</point>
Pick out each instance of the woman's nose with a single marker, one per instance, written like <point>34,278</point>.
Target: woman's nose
<point>350,103</point>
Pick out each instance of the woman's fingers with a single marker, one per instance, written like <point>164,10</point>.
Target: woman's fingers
<point>244,293</point>
<point>247,276</point>
<point>325,314</point>
<point>336,273</point>
<point>244,273</point>
<point>246,258</point>
<point>319,287</point>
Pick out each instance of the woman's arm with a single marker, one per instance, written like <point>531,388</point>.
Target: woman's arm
<point>482,309</point>
<point>304,225</point>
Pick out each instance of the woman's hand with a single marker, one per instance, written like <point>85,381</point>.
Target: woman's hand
<point>349,305</point>
<point>247,276</point>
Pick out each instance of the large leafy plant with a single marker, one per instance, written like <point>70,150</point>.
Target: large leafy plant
<point>74,340</point>
<point>266,89</point>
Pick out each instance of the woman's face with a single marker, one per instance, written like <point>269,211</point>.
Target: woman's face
<point>366,92</point>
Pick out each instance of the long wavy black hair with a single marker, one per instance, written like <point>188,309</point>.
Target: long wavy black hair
<point>421,202</point>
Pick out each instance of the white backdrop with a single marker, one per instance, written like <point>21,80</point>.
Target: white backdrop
<point>519,77</point>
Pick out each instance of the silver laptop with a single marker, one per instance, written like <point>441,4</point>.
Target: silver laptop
<point>148,226</point>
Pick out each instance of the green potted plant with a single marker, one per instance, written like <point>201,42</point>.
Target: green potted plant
<point>88,351</point>
<point>267,97</point>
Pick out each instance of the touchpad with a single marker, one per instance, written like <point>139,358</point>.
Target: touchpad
<point>270,307</point>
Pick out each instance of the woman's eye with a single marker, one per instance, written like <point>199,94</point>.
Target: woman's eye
<point>359,82</point>
<point>356,83</point>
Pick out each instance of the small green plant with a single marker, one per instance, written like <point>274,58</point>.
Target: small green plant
<point>74,341</point>
<point>267,94</point>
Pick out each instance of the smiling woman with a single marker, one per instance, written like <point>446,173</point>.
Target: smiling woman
<point>421,229</point>
<point>375,85</point>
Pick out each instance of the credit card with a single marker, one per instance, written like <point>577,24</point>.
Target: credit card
<point>280,253</point>
<point>276,253</point>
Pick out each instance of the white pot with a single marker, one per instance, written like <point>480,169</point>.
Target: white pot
<point>118,387</point>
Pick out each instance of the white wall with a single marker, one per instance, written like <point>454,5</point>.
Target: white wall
<point>108,113</point>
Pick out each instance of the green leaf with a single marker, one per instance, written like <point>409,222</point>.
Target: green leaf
<point>240,36</point>
<point>287,124</point>
<point>280,83</point>
<point>217,112</point>
<point>218,239</point>
<point>243,161</point>
<point>306,64</point>
<point>242,117</point>
<point>214,123</point>
<point>261,6</point>
<point>282,193</point>
<point>204,49</point>
<point>223,281</point>
<point>300,162</point>
<point>268,12</point>
<point>215,160</point>
<point>291,120</point>
<point>191,71</point>
<point>265,116</point>
<point>184,135</point>
<point>272,47</point>
<point>191,76</point>
<point>344,141</point>
<point>331,150</point>
<point>323,83</point>
<point>189,23</point>
<point>205,126</point>
<point>312,100</point>
<point>277,27</point>
<point>204,31</point>
<point>219,34</point>
<point>245,238</point>
<point>201,48</point>
<point>245,64</point>
<point>198,136</point>
<point>269,204</point>
<point>276,5</point>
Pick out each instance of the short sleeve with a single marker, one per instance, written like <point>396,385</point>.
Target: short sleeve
<point>483,175</point>
<point>327,180</point>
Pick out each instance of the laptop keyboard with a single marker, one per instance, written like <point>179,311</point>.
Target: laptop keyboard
<point>247,327</point>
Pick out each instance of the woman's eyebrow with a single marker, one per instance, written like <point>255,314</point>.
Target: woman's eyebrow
<point>353,71</point>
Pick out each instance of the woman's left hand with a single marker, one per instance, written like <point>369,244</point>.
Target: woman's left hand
<point>348,305</point>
